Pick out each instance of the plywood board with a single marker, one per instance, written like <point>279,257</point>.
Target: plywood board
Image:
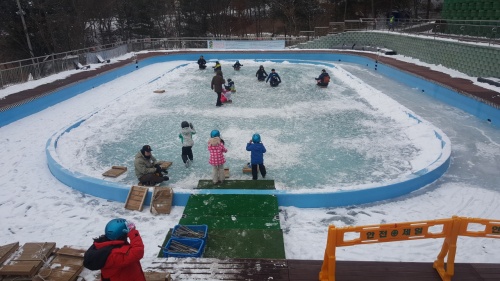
<point>21,268</point>
<point>136,197</point>
<point>36,251</point>
<point>7,250</point>
<point>226,173</point>
<point>115,171</point>
<point>165,164</point>
<point>69,251</point>
<point>161,201</point>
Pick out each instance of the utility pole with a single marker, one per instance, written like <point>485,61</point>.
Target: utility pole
<point>21,13</point>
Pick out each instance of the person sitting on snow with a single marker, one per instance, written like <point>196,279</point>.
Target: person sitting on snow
<point>237,65</point>
<point>323,79</point>
<point>147,169</point>
<point>202,63</point>
<point>274,77</point>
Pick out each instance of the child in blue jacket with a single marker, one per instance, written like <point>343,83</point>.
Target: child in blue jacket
<point>257,150</point>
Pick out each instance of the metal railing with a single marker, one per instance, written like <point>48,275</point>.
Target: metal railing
<point>21,71</point>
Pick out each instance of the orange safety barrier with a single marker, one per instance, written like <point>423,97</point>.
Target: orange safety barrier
<point>449,229</point>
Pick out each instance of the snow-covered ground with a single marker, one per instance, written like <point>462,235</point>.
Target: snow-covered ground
<point>37,207</point>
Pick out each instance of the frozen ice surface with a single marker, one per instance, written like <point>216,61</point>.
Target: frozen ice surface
<point>346,136</point>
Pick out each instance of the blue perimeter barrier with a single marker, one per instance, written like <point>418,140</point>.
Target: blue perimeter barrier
<point>119,192</point>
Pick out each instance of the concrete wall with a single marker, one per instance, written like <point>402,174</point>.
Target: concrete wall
<point>474,60</point>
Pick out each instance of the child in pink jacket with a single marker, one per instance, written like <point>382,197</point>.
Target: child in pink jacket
<point>217,160</point>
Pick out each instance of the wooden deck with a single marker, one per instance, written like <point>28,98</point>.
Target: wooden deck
<point>302,270</point>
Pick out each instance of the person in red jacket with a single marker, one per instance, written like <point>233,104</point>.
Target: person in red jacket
<point>117,259</point>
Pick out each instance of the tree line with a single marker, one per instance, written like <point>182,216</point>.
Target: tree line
<point>55,26</point>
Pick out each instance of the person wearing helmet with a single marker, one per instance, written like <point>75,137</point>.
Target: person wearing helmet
<point>323,79</point>
<point>227,91</point>
<point>274,77</point>
<point>217,66</point>
<point>257,150</point>
<point>186,136</point>
<point>261,74</point>
<point>237,65</point>
<point>202,63</point>
<point>116,257</point>
<point>147,169</point>
<point>216,85</point>
<point>217,149</point>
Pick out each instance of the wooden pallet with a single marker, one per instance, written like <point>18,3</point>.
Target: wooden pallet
<point>66,266</point>
<point>27,260</point>
<point>7,250</point>
<point>136,197</point>
<point>115,171</point>
<point>161,201</point>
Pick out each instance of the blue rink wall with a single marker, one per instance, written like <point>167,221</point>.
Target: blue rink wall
<point>118,192</point>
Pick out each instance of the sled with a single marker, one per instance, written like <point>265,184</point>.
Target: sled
<point>136,197</point>
<point>159,91</point>
<point>115,171</point>
<point>165,164</point>
<point>161,201</point>
<point>247,169</point>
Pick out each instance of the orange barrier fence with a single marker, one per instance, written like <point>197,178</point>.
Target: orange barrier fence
<point>449,229</point>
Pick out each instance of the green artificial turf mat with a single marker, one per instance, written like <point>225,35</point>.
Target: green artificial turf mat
<point>245,243</point>
<point>228,222</point>
<point>237,184</point>
<point>241,205</point>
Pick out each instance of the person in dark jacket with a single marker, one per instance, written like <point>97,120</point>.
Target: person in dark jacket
<point>323,79</point>
<point>118,259</point>
<point>217,66</point>
<point>202,63</point>
<point>257,150</point>
<point>237,65</point>
<point>261,74</point>
<point>274,77</point>
<point>147,169</point>
<point>217,82</point>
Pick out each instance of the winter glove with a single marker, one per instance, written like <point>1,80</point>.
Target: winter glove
<point>191,125</point>
<point>222,141</point>
<point>130,226</point>
<point>158,168</point>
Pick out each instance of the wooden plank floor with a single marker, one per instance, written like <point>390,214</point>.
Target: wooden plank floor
<point>305,270</point>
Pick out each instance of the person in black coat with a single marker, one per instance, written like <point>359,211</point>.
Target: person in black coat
<point>202,63</point>
<point>261,74</point>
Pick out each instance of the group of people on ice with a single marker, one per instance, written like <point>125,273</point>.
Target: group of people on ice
<point>218,84</point>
